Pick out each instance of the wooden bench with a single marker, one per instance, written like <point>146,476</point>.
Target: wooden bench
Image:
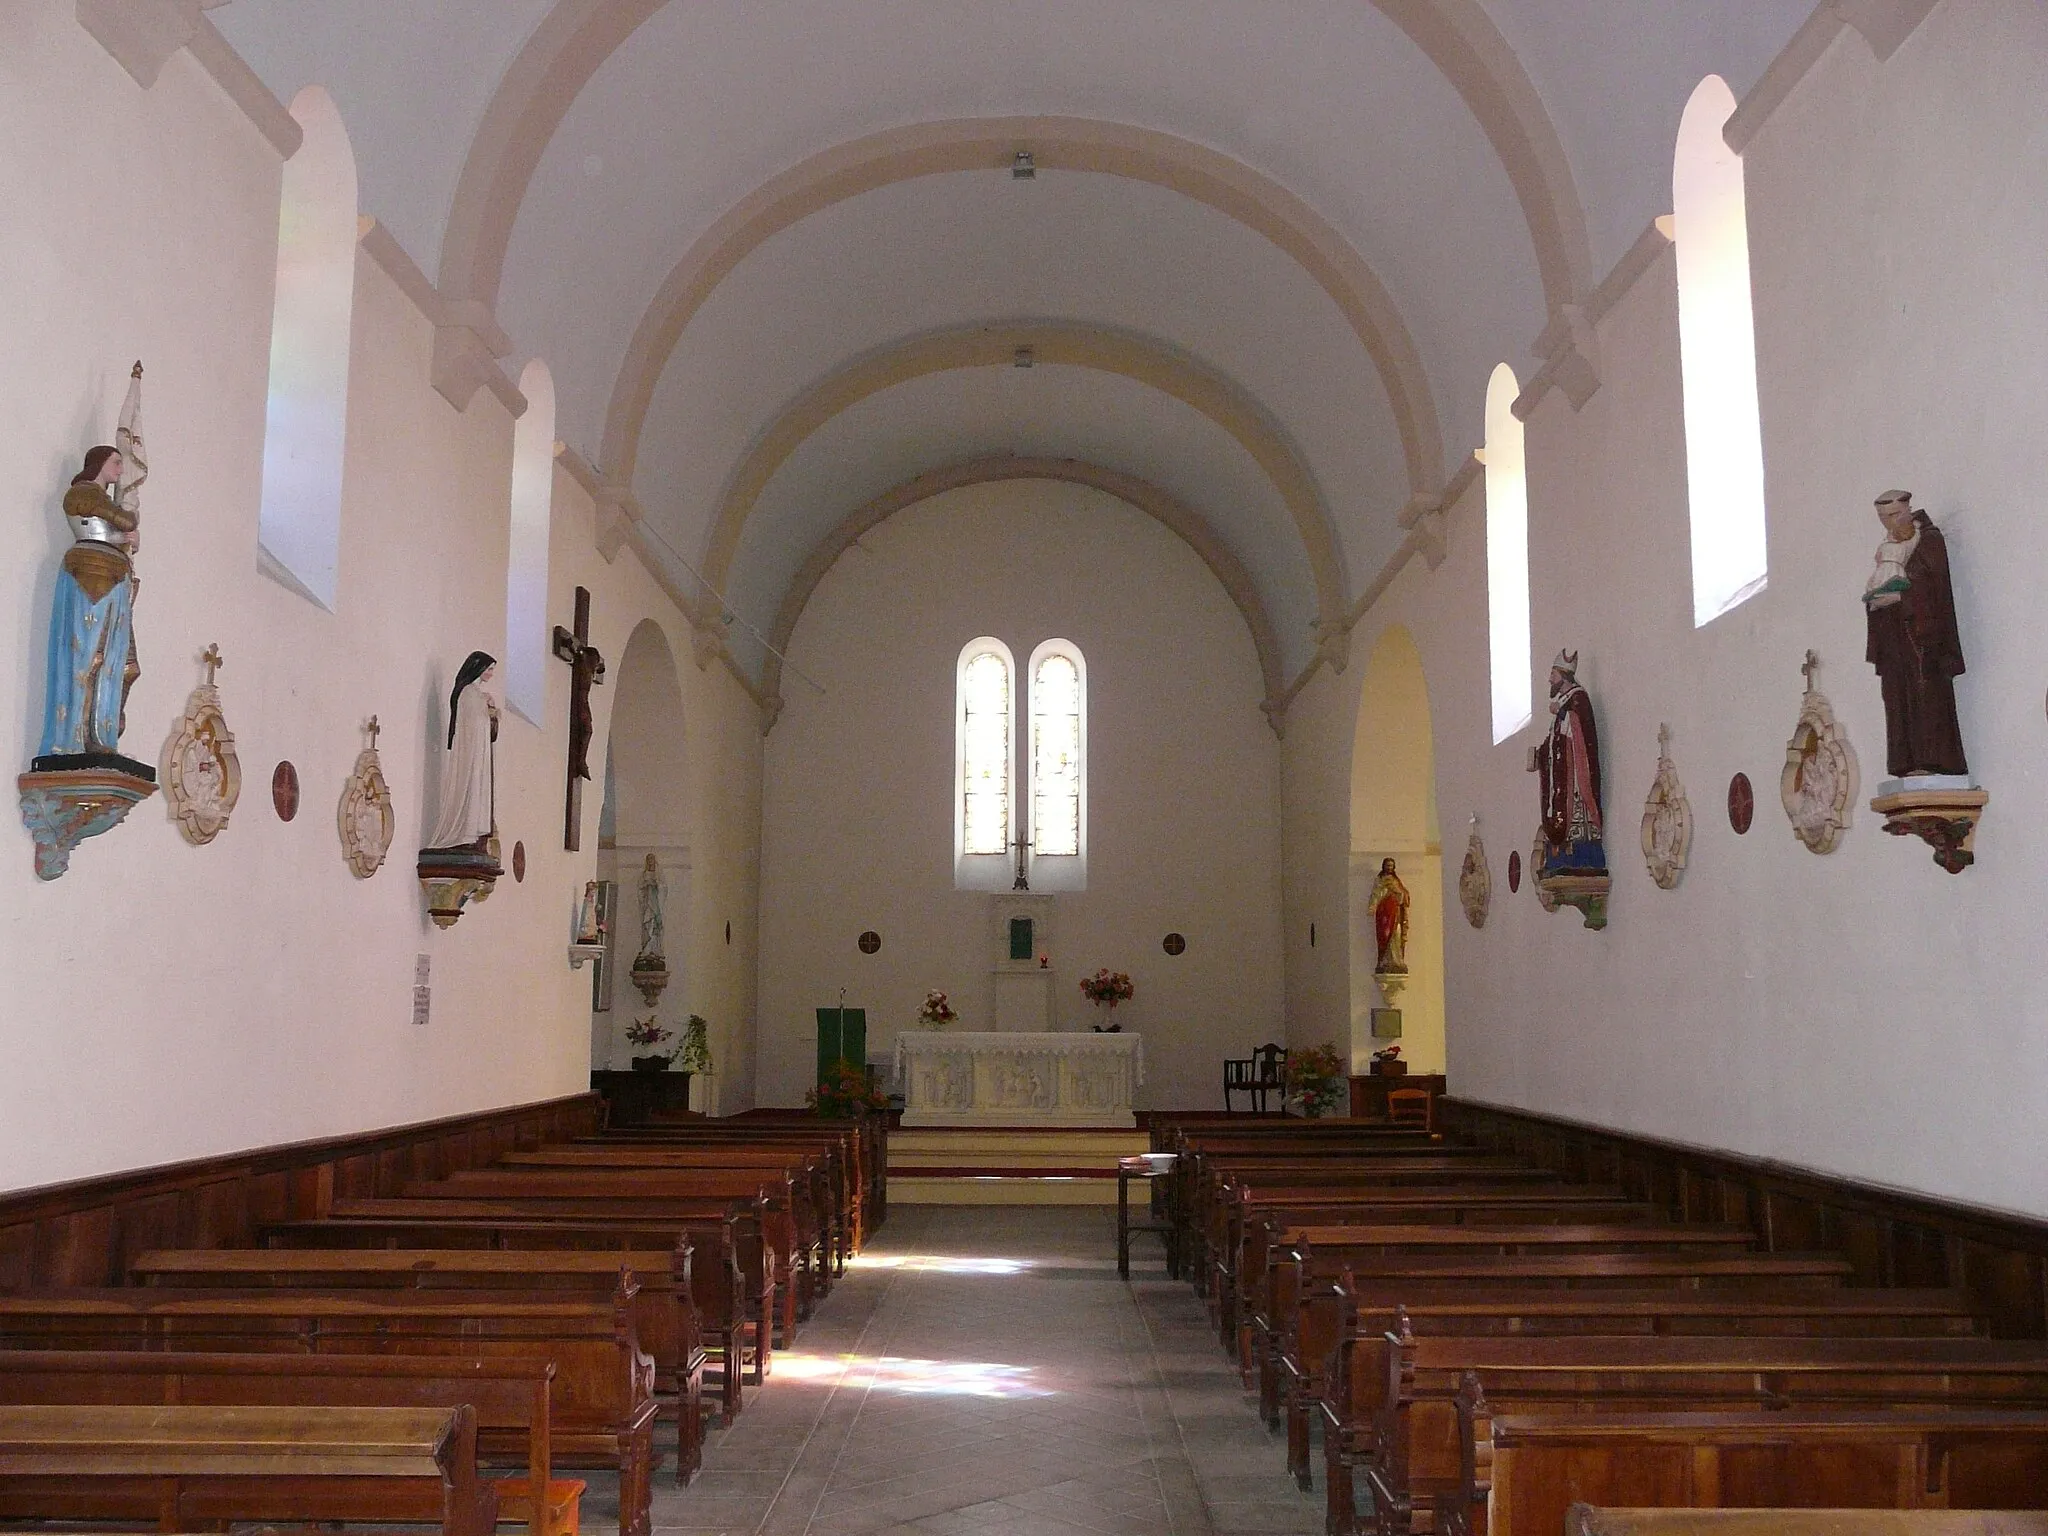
<point>1344,1391</point>
<point>1441,1393</point>
<point>586,1223</point>
<point>790,1253</point>
<point>603,1408</point>
<point>729,1315</point>
<point>1910,1459</point>
<point>190,1466</point>
<point>1586,1520</point>
<point>510,1399</point>
<point>664,1316</point>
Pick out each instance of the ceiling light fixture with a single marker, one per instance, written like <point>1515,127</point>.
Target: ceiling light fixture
<point>1023,168</point>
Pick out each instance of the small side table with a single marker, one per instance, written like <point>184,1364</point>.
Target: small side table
<point>1127,1169</point>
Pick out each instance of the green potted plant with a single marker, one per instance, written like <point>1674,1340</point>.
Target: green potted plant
<point>1315,1079</point>
<point>695,1052</point>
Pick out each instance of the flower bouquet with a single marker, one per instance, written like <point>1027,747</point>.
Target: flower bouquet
<point>846,1091</point>
<point>937,1012</point>
<point>1315,1079</point>
<point>1105,989</point>
<point>648,1033</point>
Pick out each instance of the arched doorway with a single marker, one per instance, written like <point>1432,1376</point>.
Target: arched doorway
<point>1393,816</point>
<point>645,815</point>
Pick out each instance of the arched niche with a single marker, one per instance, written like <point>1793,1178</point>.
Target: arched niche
<point>1393,815</point>
<point>646,812</point>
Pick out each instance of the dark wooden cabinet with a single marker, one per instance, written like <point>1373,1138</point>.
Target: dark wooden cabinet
<point>634,1098</point>
<point>1369,1094</point>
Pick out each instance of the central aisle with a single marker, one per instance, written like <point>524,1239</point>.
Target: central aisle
<point>985,1370</point>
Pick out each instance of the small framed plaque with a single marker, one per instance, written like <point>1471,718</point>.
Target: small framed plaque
<point>1386,1023</point>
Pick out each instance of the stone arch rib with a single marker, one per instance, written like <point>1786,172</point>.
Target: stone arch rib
<point>1078,144</point>
<point>991,346</point>
<point>1167,509</point>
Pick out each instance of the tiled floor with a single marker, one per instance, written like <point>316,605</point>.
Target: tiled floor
<point>984,1370</point>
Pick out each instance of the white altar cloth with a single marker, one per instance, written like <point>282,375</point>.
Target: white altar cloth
<point>1010,1077</point>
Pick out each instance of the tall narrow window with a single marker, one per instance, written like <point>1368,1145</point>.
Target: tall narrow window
<point>526,569</point>
<point>1724,453</point>
<point>306,418</point>
<point>1507,557</point>
<point>985,749</point>
<point>1058,750</point>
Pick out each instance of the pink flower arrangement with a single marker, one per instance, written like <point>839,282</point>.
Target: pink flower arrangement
<point>647,1032</point>
<point>937,1011</point>
<point>1108,987</point>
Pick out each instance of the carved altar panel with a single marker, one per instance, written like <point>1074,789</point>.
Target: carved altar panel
<point>990,1078</point>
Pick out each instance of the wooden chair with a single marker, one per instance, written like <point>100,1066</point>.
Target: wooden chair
<point>1261,1073</point>
<point>1412,1106</point>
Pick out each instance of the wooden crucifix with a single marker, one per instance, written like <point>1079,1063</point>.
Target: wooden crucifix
<point>586,671</point>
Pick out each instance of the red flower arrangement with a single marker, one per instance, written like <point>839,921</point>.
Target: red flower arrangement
<point>1315,1079</point>
<point>846,1091</point>
<point>1108,987</point>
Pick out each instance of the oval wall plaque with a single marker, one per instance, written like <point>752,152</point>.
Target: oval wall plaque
<point>519,862</point>
<point>1174,944</point>
<point>870,942</point>
<point>1741,803</point>
<point>284,790</point>
<point>1515,870</point>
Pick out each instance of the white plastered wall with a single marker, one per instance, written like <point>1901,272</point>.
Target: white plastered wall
<point>166,1001</point>
<point>1183,808</point>
<point>1863,1013</point>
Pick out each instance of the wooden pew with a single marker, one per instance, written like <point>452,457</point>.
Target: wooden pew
<point>1586,1520</point>
<point>1242,1290</point>
<point>585,1223</point>
<point>867,1135</point>
<point>729,1315</point>
<point>510,1398</point>
<point>604,1405</point>
<point>664,1317</point>
<point>792,1244</point>
<point>1422,1456</point>
<point>185,1466</point>
<point>1345,1392</point>
<point>836,1180</point>
<point>1912,1459</point>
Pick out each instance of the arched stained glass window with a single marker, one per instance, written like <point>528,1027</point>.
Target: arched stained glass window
<point>1507,558</point>
<point>306,416</point>
<point>1057,778</point>
<point>1724,451</point>
<point>985,755</point>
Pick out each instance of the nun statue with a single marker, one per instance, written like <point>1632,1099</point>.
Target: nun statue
<point>467,813</point>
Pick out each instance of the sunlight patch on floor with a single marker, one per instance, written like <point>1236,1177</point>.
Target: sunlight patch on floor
<point>941,1264</point>
<point>933,1378</point>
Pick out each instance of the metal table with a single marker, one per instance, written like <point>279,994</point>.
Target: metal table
<point>1127,1169</point>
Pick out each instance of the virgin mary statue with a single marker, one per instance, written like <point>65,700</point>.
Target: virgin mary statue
<point>92,630</point>
<point>467,813</point>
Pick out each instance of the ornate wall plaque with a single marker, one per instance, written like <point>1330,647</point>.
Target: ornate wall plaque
<point>202,777</point>
<point>870,941</point>
<point>1475,880</point>
<point>519,862</point>
<point>284,791</point>
<point>365,818</point>
<point>1514,870</point>
<point>1741,803</point>
<point>1667,819</point>
<point>1818,784</point>
<point>1174,944</point>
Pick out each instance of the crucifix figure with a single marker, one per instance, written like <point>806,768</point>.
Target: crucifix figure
<point>1023,846</point>
<point>374,730</point>
<point>211,659</point>
<point>1807,668</point>
<point>586,671</point>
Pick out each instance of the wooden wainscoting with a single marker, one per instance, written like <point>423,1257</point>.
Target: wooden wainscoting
<point>87,1232</point>
<point>1891,1238</point>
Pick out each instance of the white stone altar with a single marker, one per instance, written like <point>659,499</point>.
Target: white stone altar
<point>984,1077</point>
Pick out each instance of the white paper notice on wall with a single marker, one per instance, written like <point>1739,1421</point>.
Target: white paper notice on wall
<point>422,992</point>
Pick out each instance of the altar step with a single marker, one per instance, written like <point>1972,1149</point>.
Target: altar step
<point>1004,1166</point>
